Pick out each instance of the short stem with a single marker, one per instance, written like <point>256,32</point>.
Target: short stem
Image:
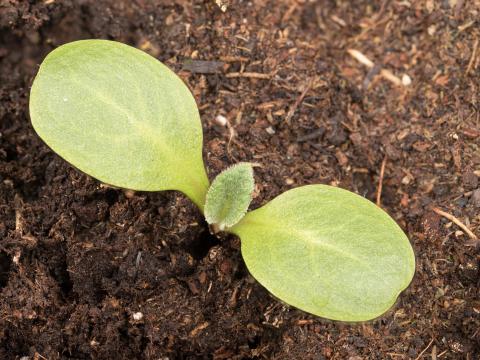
<point>198,192</point>
<point>198,198</point>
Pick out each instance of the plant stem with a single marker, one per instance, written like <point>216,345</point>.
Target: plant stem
<point>197,192</point>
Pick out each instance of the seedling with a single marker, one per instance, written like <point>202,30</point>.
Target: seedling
<point>124,118</point>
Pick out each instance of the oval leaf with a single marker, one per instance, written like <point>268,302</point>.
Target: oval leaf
<point>229,196</point>
<point>327,251</point>
<point>121,116</point>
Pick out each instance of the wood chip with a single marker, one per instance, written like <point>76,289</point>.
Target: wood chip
<point>203,66</point>
<point>312,135</point>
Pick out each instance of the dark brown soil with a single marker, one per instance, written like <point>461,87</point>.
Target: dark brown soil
<point>91,272</point>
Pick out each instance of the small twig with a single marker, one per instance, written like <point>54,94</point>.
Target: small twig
<point>289,12</point>
<point>252,75</point>
<point>297,103</point>
<point>472,59</point>
<point>234,58</point>
<point>423,352</point>
<point>456,221</point>
<point>466,26</point>
<point>37,356</point>
<point>357,55</point>
<point>442,353</point>
<point>233,298</point>
<point>387,74</point>
<point>231,137</point>
<point>380,13</point>
<point>18,215</point>
<point>374,71</point>
<point>338,20</point>
<point>199,328</point>
<point>458,8</point>
<point>380,181</point>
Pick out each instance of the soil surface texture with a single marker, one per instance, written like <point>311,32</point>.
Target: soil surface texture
<point>314,92</point>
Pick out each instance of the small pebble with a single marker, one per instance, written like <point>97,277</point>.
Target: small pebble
<point>16,258</point>
<point>406,80</point>
<point>129,193</point>
<point>221,120</point>
<point>270,130</point>
<point>137,316</point>
<point>222,4</point>
<point>406,180</point>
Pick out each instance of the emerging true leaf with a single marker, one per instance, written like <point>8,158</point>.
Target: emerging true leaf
<point>327,251</point>
<point>229,196</point>
<point>121,116</point>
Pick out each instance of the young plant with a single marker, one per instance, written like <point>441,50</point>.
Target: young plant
<point>124,118</point>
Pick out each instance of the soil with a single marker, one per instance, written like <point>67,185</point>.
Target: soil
<point>92,272</point>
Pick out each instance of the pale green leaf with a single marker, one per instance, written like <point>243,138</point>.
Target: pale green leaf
<point>327,251</point>
<point>229,196</point>
<point>121,116</point>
